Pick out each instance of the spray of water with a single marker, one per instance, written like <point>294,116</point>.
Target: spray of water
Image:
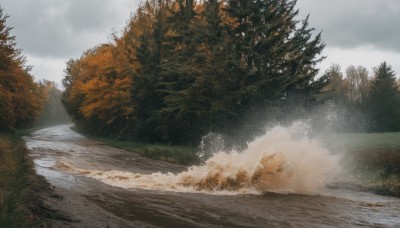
<point>283,160</point>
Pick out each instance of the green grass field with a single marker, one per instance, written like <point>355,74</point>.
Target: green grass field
<point>359,141</point>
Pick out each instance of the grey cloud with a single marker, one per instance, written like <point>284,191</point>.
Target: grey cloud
<point>89,15</point>
<point>63,28</point>
<point>353,23</point>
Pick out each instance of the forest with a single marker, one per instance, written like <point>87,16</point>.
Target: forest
<point>183,69</point>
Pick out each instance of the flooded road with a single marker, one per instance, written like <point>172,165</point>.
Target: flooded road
<point>77,169</point>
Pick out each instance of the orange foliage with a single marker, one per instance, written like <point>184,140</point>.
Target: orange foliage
<point>21,99</point>
<point>98,86</point>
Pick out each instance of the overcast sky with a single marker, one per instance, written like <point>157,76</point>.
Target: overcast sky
<point>357,32</point>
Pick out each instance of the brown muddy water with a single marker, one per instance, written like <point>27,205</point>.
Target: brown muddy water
<point>279,181</point>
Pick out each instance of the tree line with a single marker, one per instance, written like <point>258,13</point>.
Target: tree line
<point>370,101</point>
<point>53,111</point>
<point>21,98</point>
<point>182,69</point>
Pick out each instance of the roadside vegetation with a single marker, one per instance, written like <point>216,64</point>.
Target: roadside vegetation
<point>22,101</point>
<point>372,159</point>
<point>378,169</point>
<point>18,202</point>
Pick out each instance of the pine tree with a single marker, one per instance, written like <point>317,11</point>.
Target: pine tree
<point>384,100</point>
<point>176,72</point>
<point>276,55</point>
<point>146,96</point>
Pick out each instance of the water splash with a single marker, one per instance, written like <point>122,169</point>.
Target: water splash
<point>283,160</point>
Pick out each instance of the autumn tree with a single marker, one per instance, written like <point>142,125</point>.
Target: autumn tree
<point>21,99</point>
<point>337,88</point>
<point>96,96</point>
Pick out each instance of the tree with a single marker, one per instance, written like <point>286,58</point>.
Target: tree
<point>96,95</point>
<point>53,111</point>
<point>194,76</point>
<point>199,67</point>
<point>21,99</point>
<point>267,54</point>
<point>337,88</point>
<point>358,84</point>
<point>276,53</point>
<point>384,100</point>
<point>146,95</point>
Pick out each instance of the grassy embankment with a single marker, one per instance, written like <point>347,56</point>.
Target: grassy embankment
<point>16,183</point>
<point>175,154</point>
<point>374,159</point>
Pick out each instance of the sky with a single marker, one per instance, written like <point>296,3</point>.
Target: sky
<point>50,32</point>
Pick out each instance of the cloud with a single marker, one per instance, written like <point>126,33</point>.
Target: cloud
<point>367,56</point>
<point>357,32</point>
<point>65,28</point>
<point>47,68</point>
<point>355,23</point>
<point>59,28</point>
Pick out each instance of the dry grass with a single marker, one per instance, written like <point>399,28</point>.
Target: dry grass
<point>18,203</point>
<point>12,182</point>
<point>373,159</point>
<point>377,169</point>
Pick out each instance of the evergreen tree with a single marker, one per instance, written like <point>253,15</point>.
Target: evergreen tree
<point>176,72</point>
<point>146,95</point>
<point>276,55</point>
<point>384,100</point>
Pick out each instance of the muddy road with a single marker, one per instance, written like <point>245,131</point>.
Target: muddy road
<point>85,175</point>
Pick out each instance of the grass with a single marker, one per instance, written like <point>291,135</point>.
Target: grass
<point>361,141</point>
<point>175,154</point>
<point>377,169</point>
<point>18,204</point>
<point>373,158</point>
